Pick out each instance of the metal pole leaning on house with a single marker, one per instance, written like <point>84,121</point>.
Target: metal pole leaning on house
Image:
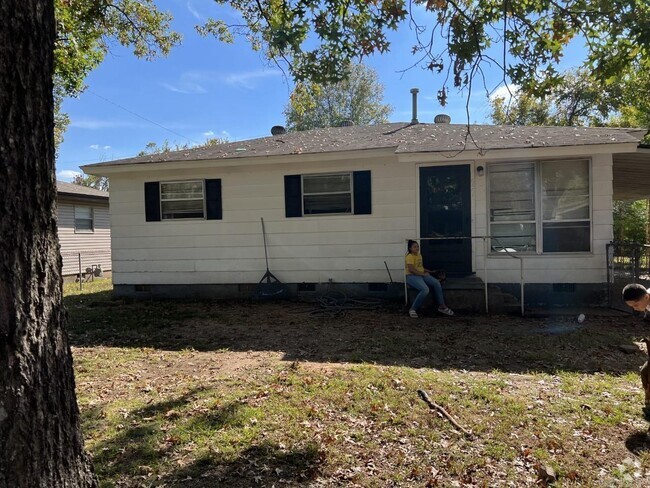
<point>521,280</point>
<point>485,272</point>
<point>81,286</point>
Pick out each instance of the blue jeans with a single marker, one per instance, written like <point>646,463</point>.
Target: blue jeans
<point>422,284</point>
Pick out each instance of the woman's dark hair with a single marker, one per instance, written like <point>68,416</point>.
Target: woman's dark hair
<point>410,244</point>
<point>634,292</point>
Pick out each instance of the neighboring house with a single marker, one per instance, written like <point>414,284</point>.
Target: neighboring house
<point>84,228</point>
<point>339,202</point>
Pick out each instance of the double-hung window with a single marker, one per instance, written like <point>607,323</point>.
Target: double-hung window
<point>344,193</point>
<point>182,200</point>
<point>83,219</point>
<point>540,206</point>
<point>566,224</point>
<point>512,207</point>
<point>327,194</point>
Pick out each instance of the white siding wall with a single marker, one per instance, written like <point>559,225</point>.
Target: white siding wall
<point>95,247</point>
<point>344,248</point>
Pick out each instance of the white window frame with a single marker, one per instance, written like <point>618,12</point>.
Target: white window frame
<point>539,208</point>
<point>176,219</point>
<point>351,192</point>
<point>92,220</point>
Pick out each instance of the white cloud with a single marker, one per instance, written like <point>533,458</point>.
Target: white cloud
<point>505,91</point>
<point>193,11</point>
<point>249,79</point>
<point>106,147</point>
<point>67,174</point>
<point>190,82</point>
<point>185,88</point>
<point>208,134</point>
<point>226,135</point>
<point>94,146</point>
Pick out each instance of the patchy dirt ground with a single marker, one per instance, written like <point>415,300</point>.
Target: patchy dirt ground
<point>384,336</point>
<point>266,394</point>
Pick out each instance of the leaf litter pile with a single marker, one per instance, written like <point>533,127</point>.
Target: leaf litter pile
<point>240,394</point>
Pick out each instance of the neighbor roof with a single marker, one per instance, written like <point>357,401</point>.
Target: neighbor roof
<point>71,189</point>
<point>404,137</point>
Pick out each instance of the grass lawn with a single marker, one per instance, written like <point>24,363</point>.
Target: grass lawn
<point>239,394</point>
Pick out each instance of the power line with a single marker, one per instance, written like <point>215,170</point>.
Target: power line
<point>141,117</point>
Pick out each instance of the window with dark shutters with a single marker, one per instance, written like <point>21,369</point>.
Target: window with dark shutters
<point>328,193</point>
<point>182,200</point>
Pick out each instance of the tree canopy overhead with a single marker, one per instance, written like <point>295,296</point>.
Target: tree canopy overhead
<point>316,40</point>
<point>86,30</point>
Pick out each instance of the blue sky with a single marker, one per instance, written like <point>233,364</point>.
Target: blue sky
<point>206,88</point>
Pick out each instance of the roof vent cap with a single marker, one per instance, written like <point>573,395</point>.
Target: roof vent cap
<point>346,123</point>
<point>278,130</point>
<point>442,119</point>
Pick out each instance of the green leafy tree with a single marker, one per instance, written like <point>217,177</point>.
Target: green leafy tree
<point>634,110</point>
<point>631,221</point>
<point>358,99</point>
<point>85,31</point>
<point>92,181</point>
<point>579,100</point>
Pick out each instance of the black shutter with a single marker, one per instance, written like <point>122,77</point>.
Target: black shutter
<point>152,201</point>
<point>362,193</point>
<point>213,199</point>
<point>293,196</point>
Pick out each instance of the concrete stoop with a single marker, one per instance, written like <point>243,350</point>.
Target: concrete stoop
<point>467,295</point>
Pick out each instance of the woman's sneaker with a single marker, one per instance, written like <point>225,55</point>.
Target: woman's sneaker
<point>413,314</point>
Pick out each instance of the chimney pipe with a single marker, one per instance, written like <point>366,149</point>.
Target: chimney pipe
<point>415,91</point>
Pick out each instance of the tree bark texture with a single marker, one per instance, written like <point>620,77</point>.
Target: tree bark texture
<point>40,437</point>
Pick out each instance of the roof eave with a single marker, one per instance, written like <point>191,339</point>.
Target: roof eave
<point>104,169</point>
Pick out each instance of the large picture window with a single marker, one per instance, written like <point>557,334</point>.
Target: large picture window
<point>182,200</point>
<point>327,194</point>
<point>83,219</point>
<point>540,206</point>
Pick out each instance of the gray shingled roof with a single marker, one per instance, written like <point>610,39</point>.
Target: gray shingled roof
<point>403,137</point>
<point>64,188</point>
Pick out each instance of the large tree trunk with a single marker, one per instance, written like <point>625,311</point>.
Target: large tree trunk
<point>40,437</point>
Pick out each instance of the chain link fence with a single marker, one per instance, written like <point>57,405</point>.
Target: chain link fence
<point>627,262</point>
<point>85,266</point>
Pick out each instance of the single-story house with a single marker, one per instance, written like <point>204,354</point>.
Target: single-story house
<point>339,204</point>
<point>84,228</point>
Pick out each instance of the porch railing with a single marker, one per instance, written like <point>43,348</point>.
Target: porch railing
<point>486,250</point>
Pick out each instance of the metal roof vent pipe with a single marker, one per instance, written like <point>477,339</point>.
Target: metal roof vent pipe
<point>346,123</point>
<point>414,92</point>
<point>278,130</point>
<point>442,119</point>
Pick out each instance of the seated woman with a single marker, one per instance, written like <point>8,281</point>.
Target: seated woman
<point>420,278</point>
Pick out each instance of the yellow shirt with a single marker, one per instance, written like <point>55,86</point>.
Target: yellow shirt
<point>416,261</point>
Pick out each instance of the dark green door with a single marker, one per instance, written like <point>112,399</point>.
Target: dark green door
<point>445,211</point>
